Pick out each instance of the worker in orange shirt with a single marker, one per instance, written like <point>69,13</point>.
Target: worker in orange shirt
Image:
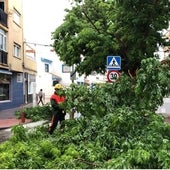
<point>58,114</point>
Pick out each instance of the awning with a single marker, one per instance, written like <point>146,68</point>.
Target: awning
<point>5,72</point>
<point>55,77</point>
<point>46,60</point>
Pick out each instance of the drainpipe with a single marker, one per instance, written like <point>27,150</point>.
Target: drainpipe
<point>24,79</point>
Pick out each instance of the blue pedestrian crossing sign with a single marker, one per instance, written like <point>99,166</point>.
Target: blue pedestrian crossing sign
<point>113,62</point>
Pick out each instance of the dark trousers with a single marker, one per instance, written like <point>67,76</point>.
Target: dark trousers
<point>40,100</point>
<point>56,117</point>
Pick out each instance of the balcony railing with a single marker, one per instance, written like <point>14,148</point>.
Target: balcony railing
<point>3,18</point>
<point>3,57</point>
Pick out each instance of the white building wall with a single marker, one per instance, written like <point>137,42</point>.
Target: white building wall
<point>165,108</point>
<point>44,79</point>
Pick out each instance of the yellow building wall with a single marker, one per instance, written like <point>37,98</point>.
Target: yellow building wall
<point>29,61</point>
<point>30,65</point>
<point>15,35</point>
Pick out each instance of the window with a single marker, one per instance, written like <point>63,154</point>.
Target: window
<point>4,87</point>
<point>17,50</point>
<point>3,47</point>
<point>46,67</point>
<point>19,77</point>
<point>66,69</point>
<point>2,5</point>
<point>4,92</point>
<point>3,14</point>
<point>17,17</point>
<point>3,40</point>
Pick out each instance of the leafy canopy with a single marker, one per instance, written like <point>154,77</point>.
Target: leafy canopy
<point>93,30</point>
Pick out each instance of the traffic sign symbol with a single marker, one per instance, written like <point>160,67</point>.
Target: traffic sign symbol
<point>113,76</point>
<point>114,62</point>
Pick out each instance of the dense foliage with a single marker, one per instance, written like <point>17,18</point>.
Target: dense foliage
<point>35,113</point>
<point>144,91</point>
<point>92,30</point>
<point>124,138</point>
<point>118,127</point>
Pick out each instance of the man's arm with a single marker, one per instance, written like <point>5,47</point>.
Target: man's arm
<point>54,104</point>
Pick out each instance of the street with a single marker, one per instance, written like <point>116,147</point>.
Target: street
<point>4,135</point>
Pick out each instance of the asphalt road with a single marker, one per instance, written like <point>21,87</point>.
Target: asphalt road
<point>4,135</point>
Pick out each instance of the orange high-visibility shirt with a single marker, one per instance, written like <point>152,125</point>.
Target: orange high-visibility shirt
<point>58,99</point>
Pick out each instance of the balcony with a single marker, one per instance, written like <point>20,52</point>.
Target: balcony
<point>3,57</point>
<point>3,18</point>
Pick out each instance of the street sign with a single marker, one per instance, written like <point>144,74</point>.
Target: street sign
<point>113,62</point>
<point>113,75</point>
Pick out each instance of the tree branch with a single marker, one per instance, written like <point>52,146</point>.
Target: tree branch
<point>130,74</point>
<point>89,163</point>
<point>90,21</point>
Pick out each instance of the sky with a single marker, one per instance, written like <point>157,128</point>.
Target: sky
<point>41,18</point>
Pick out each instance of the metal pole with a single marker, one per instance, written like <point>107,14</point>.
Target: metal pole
<point>34,94</point>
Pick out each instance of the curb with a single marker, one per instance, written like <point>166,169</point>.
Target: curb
<point>26,125</point>
<point>6,132</point>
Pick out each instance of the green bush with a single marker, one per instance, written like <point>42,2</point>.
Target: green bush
<point>36,113</point>
<point>118,128</point>
<point>124,138</point>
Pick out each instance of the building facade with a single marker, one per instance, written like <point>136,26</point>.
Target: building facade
<point>14,73</point>
<point>49,70</point>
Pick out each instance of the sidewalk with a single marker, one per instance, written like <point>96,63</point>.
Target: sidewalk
<point>8,123</point>
<point>8,118</point>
